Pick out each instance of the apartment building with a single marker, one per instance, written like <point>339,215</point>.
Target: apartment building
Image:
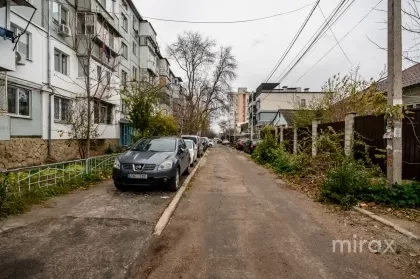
<point>65,50</point>
<point>238,108</point>
<point>269,99</point>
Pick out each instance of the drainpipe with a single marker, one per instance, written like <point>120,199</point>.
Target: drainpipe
<point>49,80</point>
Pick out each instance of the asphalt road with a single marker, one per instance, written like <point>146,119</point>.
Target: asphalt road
<point>94,233</point>
<point>240,221</point>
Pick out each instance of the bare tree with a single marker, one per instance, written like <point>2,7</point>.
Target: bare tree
<point>209,72</point>
<point>95,44</point>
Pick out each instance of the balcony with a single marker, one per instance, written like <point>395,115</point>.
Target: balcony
<point>8,56</point>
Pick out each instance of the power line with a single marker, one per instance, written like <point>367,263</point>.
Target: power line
<point>334,16</point>
<point>292,42</point>
<point>339,41</point>
<point>194,22</point>
<point>329,26</point>
<point>229,22</point>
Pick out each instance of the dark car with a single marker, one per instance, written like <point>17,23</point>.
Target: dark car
<point>240,144</point>
<point>197,141</point>
<point>250,146</point>
<point>205,142</point>
<point>152,162</point>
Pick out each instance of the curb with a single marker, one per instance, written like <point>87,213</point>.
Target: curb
<point>386,222</point>
<point>169,211</point>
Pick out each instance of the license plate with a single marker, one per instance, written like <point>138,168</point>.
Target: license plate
<point>138,176</point>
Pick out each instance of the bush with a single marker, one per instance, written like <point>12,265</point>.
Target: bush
<point>346,182</point>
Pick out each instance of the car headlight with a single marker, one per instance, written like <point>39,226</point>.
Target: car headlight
<point>117,164</point>
<point>167,165</point>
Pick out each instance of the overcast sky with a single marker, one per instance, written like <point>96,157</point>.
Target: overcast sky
<point>258,45</point>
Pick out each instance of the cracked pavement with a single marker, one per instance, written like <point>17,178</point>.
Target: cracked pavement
<point>240,221</point>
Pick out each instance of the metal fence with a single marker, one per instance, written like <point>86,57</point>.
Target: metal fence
<point>27,179</point>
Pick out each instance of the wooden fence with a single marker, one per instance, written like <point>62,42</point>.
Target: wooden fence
<point>370,131</point>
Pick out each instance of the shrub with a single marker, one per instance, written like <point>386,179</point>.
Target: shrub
<point>345,183</point>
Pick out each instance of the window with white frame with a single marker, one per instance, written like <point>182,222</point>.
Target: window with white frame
<point>103,112</point>
<point>108,5</point>
<point>123,78</point>
<point>85,24</point>
<point>124,22</point>
<point>99,72</point>
<point>61,62</point>
<point>62,108</point>
<point>124,50</point>
<point>83,67</point>
<point>134,48</point>
<point>60,14</point>
<point>134,73</point>
<point>135,23</point>
<point>24,45</point>
<point>124,4</point>
<point>302,103</point>
<point>18,101</point>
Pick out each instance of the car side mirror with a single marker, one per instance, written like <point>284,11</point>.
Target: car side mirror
<point>128,147</point>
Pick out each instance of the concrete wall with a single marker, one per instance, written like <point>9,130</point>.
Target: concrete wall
<point>24,152</point>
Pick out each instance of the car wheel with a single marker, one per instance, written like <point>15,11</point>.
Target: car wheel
<point>174,184</point>
<point>189,169</point>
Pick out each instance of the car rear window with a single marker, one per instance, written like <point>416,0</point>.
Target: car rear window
<point>189,143</point>
<point>191,138</point>
<point>157,145</point>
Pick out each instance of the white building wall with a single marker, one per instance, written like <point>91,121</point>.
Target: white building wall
<point>275,101</point>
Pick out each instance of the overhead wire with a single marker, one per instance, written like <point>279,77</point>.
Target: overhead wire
<point>333,17</point>
<point>357,24</point>
<point>292,42</point>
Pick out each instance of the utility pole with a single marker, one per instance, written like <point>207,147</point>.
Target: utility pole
<point>394,141</point>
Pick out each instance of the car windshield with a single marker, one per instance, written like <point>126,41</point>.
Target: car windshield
<point>155,144</point>
<point>189,144</point>
<point>191,138</point>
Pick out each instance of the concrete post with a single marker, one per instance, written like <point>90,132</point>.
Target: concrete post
<point>295,140</point>
<point>349,133</point>
<point>282,133</point>
<point>314,136</point>
<point>394,144</point>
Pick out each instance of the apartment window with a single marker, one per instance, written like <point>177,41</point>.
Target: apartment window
<point>123,77</point>
<point>135,22</point>
<point>124,50</point>
<point>85,24</point>
<point>111,39</point>
<point>134,73</point>
<point>108,5</point>
<point>60,14</point>
<point>62,109</point>
<point>103,112</point>
<point>18,101</point>
<point>108,79</point>
<point>24,45</point>
<point>124,4</point>
<point>61,62</point>
<point>124,22</point>
<point>134,48</point>
<point>83,67</point>
<point>303,103</point>
<point>99,72</point>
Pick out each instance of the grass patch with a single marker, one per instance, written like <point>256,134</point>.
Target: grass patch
<point>18,203</point>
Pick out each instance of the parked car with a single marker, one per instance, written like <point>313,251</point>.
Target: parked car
<point>249,146</point>
<point>152,161</point>
<point>240,144</point>
<point>192,147</point>
<point>211,143</point>
<point>205,141</point>
<point>197,141</point>
<point>225,142</point>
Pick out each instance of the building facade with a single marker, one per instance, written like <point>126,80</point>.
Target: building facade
<point>56,53</point>
<point>269,99</point>
<point>238,108</point>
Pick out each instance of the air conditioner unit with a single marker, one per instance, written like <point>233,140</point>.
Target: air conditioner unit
<point>20,58</point>
<point>64,30</point>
